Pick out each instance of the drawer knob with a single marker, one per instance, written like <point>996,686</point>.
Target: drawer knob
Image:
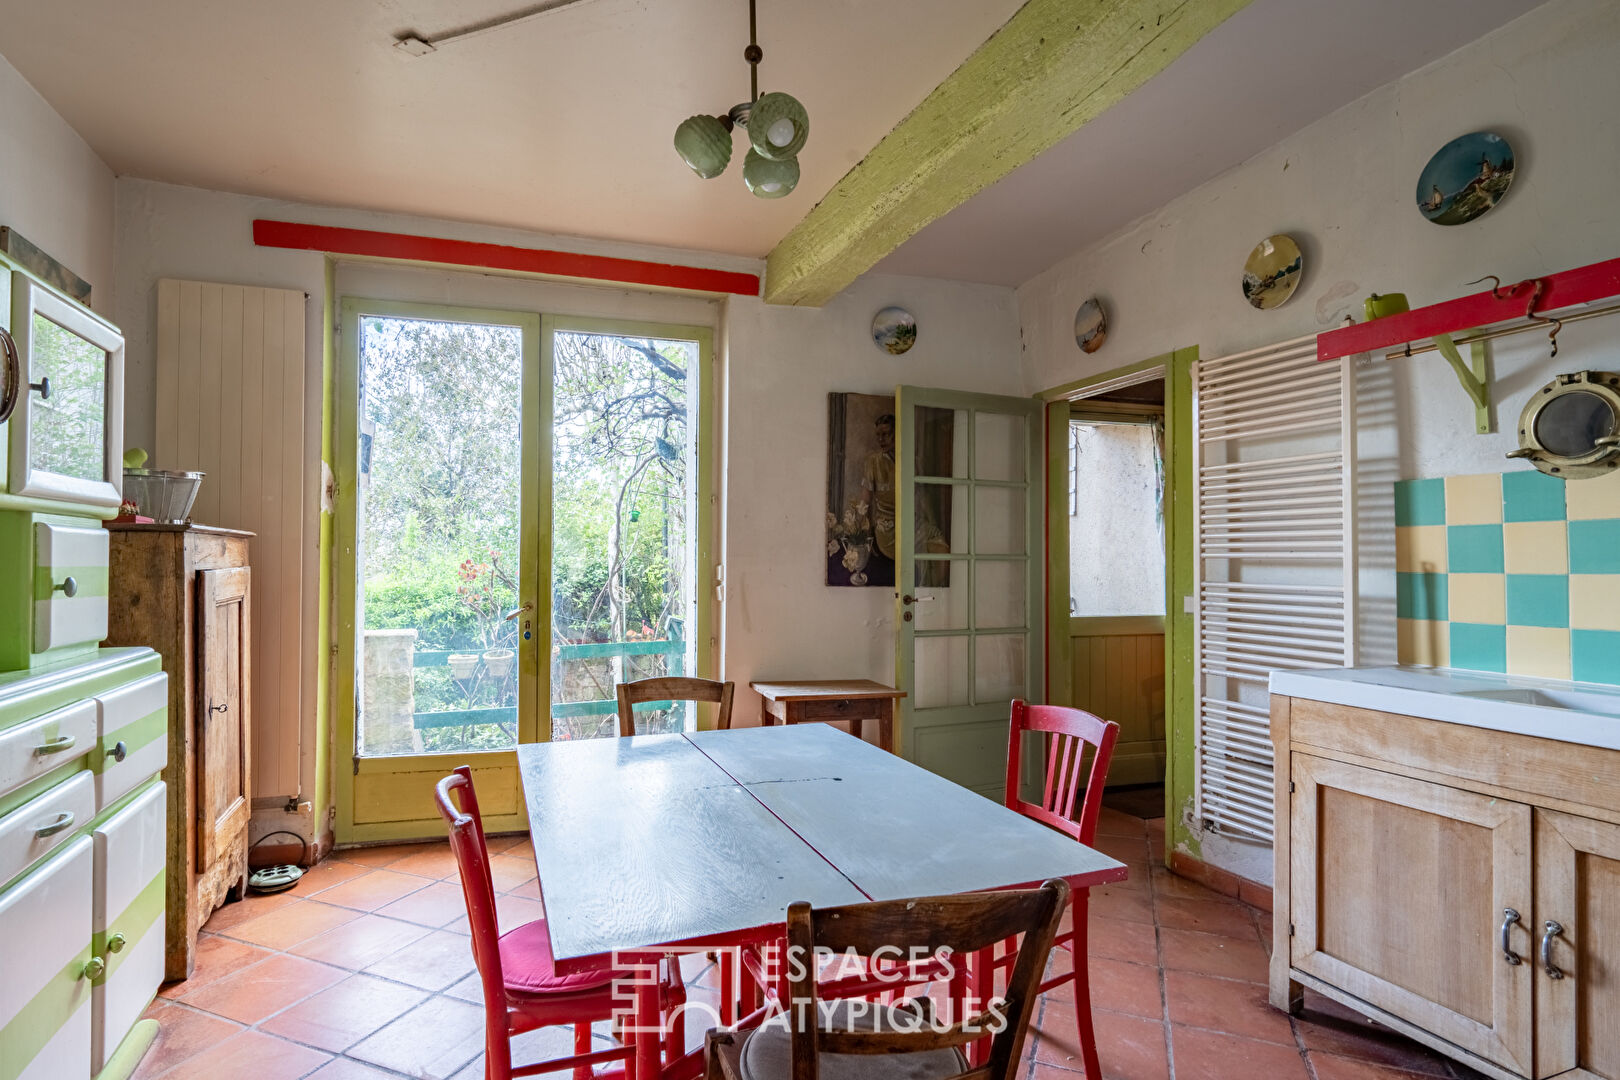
<point>94,968</point>
<point>64,820</point>
<point>68,588</point>
<point>119,751</point>
<point>43,387</point>
<point>116,942</point>
<point>56,745</point>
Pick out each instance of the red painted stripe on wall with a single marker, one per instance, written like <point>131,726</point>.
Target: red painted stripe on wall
<point>433,249</point>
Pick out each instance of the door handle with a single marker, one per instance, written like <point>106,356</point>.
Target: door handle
<point>1550,931</point>
<point>43,386</point>
<point>519,611</point>
<point>1509,917</point>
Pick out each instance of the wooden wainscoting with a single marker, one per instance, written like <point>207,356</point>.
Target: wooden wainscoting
<point>1118,673</point>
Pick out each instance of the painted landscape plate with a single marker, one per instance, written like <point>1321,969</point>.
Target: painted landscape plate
<point>1465,178</point>
<point>894,330</point>
<point>1090,326</point>
<point>1271,274</point>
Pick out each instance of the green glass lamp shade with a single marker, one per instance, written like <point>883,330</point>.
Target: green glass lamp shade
<point>770,179</point>
<point>778,126</point>
<point>704,144</point>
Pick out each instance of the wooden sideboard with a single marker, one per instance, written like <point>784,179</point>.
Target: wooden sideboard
<point>184,590</point>
<point>1458,884</point>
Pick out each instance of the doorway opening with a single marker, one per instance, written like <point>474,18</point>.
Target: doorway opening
<point>1118,585</point>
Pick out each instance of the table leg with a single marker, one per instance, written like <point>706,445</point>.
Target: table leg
<point>886,726</point>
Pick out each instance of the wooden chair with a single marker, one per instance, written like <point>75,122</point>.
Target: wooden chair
<point>1070,733</point>
<point>673,688</point>
<point>522,990</point>
<point>889,1043</point>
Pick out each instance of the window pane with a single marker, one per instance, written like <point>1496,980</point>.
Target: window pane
<point>1116,540</point>
<point>940,441</point>
<point>998,667</point>
<point>999,446</point>
<point>67,435</point>
<point>940,594</point>
<point>999,520</point>
<point>998,594</point>
<point>935,525</point>
<point>941,671</point>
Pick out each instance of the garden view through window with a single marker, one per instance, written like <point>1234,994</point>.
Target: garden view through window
<point>442,479</point>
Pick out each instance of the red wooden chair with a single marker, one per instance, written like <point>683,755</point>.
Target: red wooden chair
<point>522,991</point>
<point>1069,734</point>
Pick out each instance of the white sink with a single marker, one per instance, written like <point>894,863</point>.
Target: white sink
<point>1585,713</point>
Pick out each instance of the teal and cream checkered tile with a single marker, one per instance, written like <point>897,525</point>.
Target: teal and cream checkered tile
<point>1476,598</point>
<point>1478,648</point>
<point>1420,549</point>
<point>1595,655</point>
<point>1594,546</point>
<point>1594,601</point>
<point>1424,642</point>
<point>1474,500</point>
<point>1420,596</point>
<point>1532,496</point>
<point>1420,502</point>
<point>1595,498</point>
<point>1541,652</point>
<point>1474,549</point>
<point>1538,600</point>
<point>1535,547</point>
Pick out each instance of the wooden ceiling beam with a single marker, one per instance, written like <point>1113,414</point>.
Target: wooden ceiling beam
<point>1052,68</point>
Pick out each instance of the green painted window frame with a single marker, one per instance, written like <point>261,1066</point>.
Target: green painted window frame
<point>534,716</point>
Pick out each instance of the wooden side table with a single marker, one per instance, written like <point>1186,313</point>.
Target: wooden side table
<point>832,700</point>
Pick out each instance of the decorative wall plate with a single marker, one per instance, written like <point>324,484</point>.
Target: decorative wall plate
<point>1465,178</point>
<point>894,330</point>
<point>1090,326</point>
<point>1272,271</point>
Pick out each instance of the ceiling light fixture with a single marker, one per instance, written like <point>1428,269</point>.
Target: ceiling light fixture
<point>777,128</point>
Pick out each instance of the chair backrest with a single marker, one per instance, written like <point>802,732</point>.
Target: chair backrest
<point>1069,734</point>
<point>673,688</point>
<point>477,888</point>
<point>964,924</point>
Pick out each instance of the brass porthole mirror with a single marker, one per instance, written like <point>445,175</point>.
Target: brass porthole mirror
<point>1571,426</point>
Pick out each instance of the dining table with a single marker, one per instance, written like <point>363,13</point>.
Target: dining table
<point>656,845</point>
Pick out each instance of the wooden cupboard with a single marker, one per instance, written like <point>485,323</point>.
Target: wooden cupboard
<point>1457,884</point>
<point>185,590</point>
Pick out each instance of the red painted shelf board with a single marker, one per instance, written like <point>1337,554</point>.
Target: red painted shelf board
<point>1580,286</point>
<point>389,245</point>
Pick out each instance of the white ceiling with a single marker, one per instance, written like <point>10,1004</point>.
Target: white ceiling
<point>1267,72</point>
<point>562,123</point>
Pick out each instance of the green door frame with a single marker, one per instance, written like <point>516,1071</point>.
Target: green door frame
<point>1180,681</point>
<point>495,771</point>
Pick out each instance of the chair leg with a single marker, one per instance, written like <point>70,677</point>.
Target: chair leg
<point>728,987</point>
<point>1079,956</point>
<point>582,1045</point>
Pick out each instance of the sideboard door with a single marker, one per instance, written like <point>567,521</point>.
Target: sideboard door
<point>1578,892</point>
<point>223,742</point>
<point>1401,889</point>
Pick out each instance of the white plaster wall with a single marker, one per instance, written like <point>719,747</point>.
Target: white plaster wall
<point>779,619</point>
<point>54,190</point>
<point>1344,188</point>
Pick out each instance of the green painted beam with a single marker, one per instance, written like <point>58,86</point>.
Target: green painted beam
<point>1055,66</point>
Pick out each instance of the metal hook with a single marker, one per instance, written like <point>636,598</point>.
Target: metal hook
<point>1496,285</point>
<point>1554,324</point>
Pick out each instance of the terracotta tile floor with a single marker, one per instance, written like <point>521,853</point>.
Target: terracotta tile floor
<point>364,972</point>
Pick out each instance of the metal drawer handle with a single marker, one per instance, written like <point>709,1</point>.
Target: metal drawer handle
<point>64,820</point>
<point>56,745</point>
<point>119,751</point>
<point>69,587</point>
<point>1509,918</point>
<point>1551,930</point>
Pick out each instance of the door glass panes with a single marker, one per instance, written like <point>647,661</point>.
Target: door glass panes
<point>622,567</point>
<point>998,667</point>
<point>67,430</point>
<point>941,442</point>
<point>940,595</point>
<point>1000,446</point>
<point>941,671</point>
<point>998,594</point>
<point>440,476</point>
<point>1116,520</point>
<point>939,524</point>
<point>999,515</point>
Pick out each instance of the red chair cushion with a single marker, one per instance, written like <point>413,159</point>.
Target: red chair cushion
<point>526,964</point>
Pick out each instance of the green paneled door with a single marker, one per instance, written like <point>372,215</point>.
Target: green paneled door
<point>968,577</point>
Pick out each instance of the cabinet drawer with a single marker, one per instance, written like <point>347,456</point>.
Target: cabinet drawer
<point>134,737</point>
<point>35,747</point>
<point>42,824</point>
<point>841,709</point>
<point>70,585</point>
<point>45,1009</point>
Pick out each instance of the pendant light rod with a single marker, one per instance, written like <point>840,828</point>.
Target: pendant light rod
<point>753,54</point>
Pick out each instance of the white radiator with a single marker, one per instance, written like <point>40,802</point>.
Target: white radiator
<point>230,401</point>
<point>1274,512</point>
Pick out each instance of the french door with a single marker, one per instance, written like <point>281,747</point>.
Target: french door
<point>968,577</point>
<point>518,524</point>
